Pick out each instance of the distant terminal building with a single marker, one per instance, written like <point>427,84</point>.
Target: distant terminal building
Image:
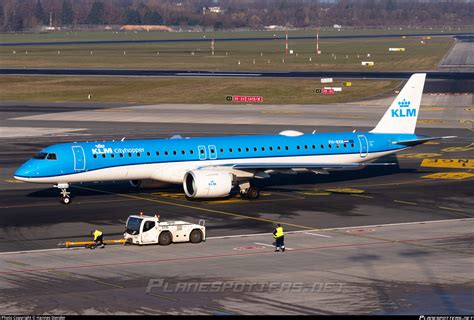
<point>148,28</point>
<point>211,10</point>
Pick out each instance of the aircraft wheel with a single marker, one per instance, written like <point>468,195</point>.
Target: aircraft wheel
<point>253,193</point>
<point>66,200</point>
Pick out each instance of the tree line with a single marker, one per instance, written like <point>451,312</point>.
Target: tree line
<point>25,15</point>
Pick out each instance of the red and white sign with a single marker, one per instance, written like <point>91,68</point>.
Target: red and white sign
<point>247,99</point>
<point>327,91</point>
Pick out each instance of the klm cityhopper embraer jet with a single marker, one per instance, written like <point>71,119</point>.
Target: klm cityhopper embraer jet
<point>211,167</point>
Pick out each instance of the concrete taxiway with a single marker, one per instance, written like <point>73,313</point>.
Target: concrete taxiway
<point>420,261</point>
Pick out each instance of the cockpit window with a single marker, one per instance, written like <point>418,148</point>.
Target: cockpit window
<point>51,156</point>
<point>40,156</point>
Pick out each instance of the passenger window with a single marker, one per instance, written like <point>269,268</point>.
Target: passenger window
<point>230,149</point>
<point>271,148</point>
<point>306,146</point>
<point>222,150</point>
<point>337,145</point>
<point>148,226</point>
<point>51,156</point>
<point>166,153</point>
<point>213,151</point>
<point>247,149</point>
<point>255,149</point>
<point>322,146</point>
<point>239,149</point>
<point>95,156</point>
<point>352,145</point>
<point>157,153</point>
<point>298,147</point>
<point>314,147</point>
<point>148,153</point>
<point>202,151</point>
<point>112,155</point>
<point>103,155</point>
<point>263,148</point>
<point>129,154</point>
<point>121,155</point>
<point>191,151</point>
<point>138,154</point>
<point>279,148</point>
<point>174,152</point>
<point>183,152</point>
<point>330,146</point>
<point>345,145</point>
<point>287,148</point>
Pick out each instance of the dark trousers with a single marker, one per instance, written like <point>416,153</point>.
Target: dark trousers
<point>100,239</point>
<point>280,242</point>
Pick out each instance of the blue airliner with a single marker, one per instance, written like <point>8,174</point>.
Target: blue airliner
<point>211,167</point>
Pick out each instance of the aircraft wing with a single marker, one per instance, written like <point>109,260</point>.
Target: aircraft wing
<point>301,165</point>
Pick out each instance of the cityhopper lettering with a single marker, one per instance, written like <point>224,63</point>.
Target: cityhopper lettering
<point>403,110</point>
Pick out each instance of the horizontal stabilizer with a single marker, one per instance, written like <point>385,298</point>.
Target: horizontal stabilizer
<point>420,141</point>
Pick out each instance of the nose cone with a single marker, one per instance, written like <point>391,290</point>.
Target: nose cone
<point>25,171</point>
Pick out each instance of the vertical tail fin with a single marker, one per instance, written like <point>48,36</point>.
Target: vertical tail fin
<point>402,115</point>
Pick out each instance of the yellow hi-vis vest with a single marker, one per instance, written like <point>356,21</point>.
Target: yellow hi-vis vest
<point>97,234</point>
<point>279,233</point>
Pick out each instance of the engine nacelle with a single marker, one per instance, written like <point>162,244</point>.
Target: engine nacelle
<point>207,184</point>
<point>135,183</point>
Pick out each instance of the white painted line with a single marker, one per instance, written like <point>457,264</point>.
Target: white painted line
<point>37,251</point>
<point>318,235</point>
<point>269,245</point>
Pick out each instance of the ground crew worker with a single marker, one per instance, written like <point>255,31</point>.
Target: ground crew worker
<point>98,238</point>
<point>279,236</point>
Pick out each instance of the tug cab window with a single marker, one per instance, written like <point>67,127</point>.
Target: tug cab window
<point>51,156</point>
<point>40,156</point>
<point>148,226</point>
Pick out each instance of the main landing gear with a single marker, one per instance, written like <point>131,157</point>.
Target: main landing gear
<point>65,195</point>
<point>249,192</point>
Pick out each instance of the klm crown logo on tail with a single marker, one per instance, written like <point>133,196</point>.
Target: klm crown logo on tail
<point>402,114</point>
<point>404,110</point>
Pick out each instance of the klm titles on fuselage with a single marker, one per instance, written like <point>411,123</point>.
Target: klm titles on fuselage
<point>404,111</point>
<point>102,149</point>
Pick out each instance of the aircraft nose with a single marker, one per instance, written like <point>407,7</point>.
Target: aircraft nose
<point>25,171</point>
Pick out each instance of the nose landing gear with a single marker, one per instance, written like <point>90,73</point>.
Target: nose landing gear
<point>65,195</point>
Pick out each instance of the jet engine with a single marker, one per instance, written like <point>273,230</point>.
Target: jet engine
<point>135,183</point>
<point>207,184</point>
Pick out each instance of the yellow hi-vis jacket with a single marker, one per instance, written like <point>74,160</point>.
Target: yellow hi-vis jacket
<point>97,234</point>
<point>279,233</point>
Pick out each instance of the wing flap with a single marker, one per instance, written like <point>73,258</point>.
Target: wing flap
<point>415,142</point>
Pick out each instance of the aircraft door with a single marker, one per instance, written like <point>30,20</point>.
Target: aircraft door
<point>212,152</point>
<point>202,152</point>
<point>364,146</point>
<point>79,159</point>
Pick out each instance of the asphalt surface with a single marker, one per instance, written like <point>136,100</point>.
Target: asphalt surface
<point>431,75</point>
<point>42,43</point>
<point>436,257</point>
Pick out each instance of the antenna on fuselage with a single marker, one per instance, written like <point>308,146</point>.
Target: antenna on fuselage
<point>122,139</point>
<point>353,131</point>
<point>314,131</point>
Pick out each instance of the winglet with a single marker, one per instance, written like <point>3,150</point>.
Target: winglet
<point>402,115</point>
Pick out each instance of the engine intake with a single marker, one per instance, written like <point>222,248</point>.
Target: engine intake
<point>207,184</point>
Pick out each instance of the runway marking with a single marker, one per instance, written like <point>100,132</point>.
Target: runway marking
<point>430,121</point>
<point>318,235</point>
<point>196,208</point>
<point>248,253</point>
<point>448,163</point>
<point>13,181</point>
<point>466,121</point>
<point>469,109</point>
<point>113,110</point>
<point>109,284</point>
<point>406,202</point>
<point>418,155</point>
<point>469,147</point>
<point>431,142</point>
<point>58,204</point>
<point>162,296</point>
<point>270,245</point>
<point>362,196</point>
<point>314,193</point>
<point>449,175</point>
<point>345,190</point>
<point>452,209</point>
<point>242,201</point>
